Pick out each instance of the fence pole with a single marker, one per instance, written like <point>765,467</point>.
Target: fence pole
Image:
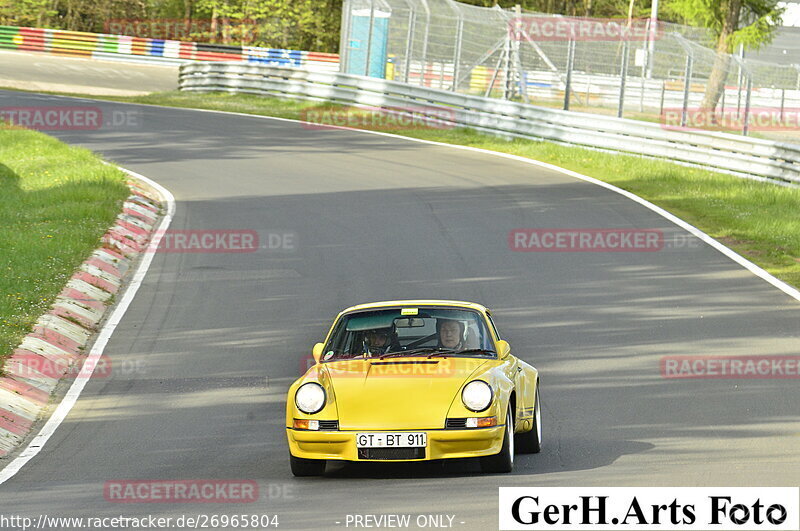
<point>459,43</point>
<point>522,84</point>
<point>687,87</point>
<point>651,37</point>
<point>507,68</point>
<point>746,126</point>
<point>623,75</point>
<point>740,78</point>
<point>369,35</point>
<point>570,64</point>
<point>494,77</point>
<point>412,20</point>
<point>344,38</point>
<point>783,102</point>
<point>423,62</point>
<point>663,93</point>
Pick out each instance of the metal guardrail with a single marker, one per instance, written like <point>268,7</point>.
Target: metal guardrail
<point>739,155</point>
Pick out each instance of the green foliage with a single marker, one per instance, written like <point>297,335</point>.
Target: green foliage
<point>576,8</point>
<point>754,26</point>
<point>299,24</point>
<point>25,12</point>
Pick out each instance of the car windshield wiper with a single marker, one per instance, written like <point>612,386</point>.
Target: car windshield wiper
<point>487,351</point>
<point>464,351</point>
<point>391,354</point>
<point>411,352</point>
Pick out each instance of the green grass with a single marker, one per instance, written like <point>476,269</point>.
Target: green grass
<point>757,220</point>
<point>56,201</point>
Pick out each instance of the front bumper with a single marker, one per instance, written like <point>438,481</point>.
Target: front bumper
<point>442,444</point>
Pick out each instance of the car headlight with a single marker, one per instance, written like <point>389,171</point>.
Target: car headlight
<point>310,398</point>
<point>477,395</point>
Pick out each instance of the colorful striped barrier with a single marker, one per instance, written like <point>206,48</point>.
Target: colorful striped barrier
<point>140,49</point>
<point>56,348</point>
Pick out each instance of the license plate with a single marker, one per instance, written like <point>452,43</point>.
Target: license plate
<point>392,440</point>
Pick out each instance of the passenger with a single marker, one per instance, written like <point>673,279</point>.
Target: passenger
<point>451,334</point>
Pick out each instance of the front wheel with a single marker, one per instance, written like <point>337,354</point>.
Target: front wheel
<point>306,467</point>
<point>502,462</point>
<point>530,442</point>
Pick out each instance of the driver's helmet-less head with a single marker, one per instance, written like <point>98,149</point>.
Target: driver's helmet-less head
<point>451,333</point>
<point>378,341</point>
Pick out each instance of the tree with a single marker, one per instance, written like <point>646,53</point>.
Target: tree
<point>25,12</point>
<point>751,23</point>
<point>298,24</point>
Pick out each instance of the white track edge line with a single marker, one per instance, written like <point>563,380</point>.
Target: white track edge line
<point>730,253</point>
<point>71,397</point>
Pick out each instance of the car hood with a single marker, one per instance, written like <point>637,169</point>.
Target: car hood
<point>398,393</point>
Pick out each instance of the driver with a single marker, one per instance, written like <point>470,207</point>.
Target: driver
<point>378,341</point>
<point>451,333</point>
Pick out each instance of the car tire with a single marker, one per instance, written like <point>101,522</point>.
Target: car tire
<point>530,442</point>
<point>502,462</point>
<point>306,467</point>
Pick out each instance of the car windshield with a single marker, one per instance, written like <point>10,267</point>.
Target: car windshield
<point>410,331</point>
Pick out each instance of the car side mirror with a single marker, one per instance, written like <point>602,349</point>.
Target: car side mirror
<point>503,349</point>
<point>316,352</point>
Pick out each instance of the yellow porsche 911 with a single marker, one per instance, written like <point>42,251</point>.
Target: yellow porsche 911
<point>413,381</point>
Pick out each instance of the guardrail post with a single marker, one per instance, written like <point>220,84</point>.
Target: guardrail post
<point>570,65</point>
<point>623,75</point>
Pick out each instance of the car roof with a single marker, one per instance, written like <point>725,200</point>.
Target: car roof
<point>416,302</point>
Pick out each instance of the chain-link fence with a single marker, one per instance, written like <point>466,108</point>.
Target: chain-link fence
<point>627,68</point>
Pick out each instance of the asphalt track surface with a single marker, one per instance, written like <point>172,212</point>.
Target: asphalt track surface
<point>42,72</point>
<point>218,337</point>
